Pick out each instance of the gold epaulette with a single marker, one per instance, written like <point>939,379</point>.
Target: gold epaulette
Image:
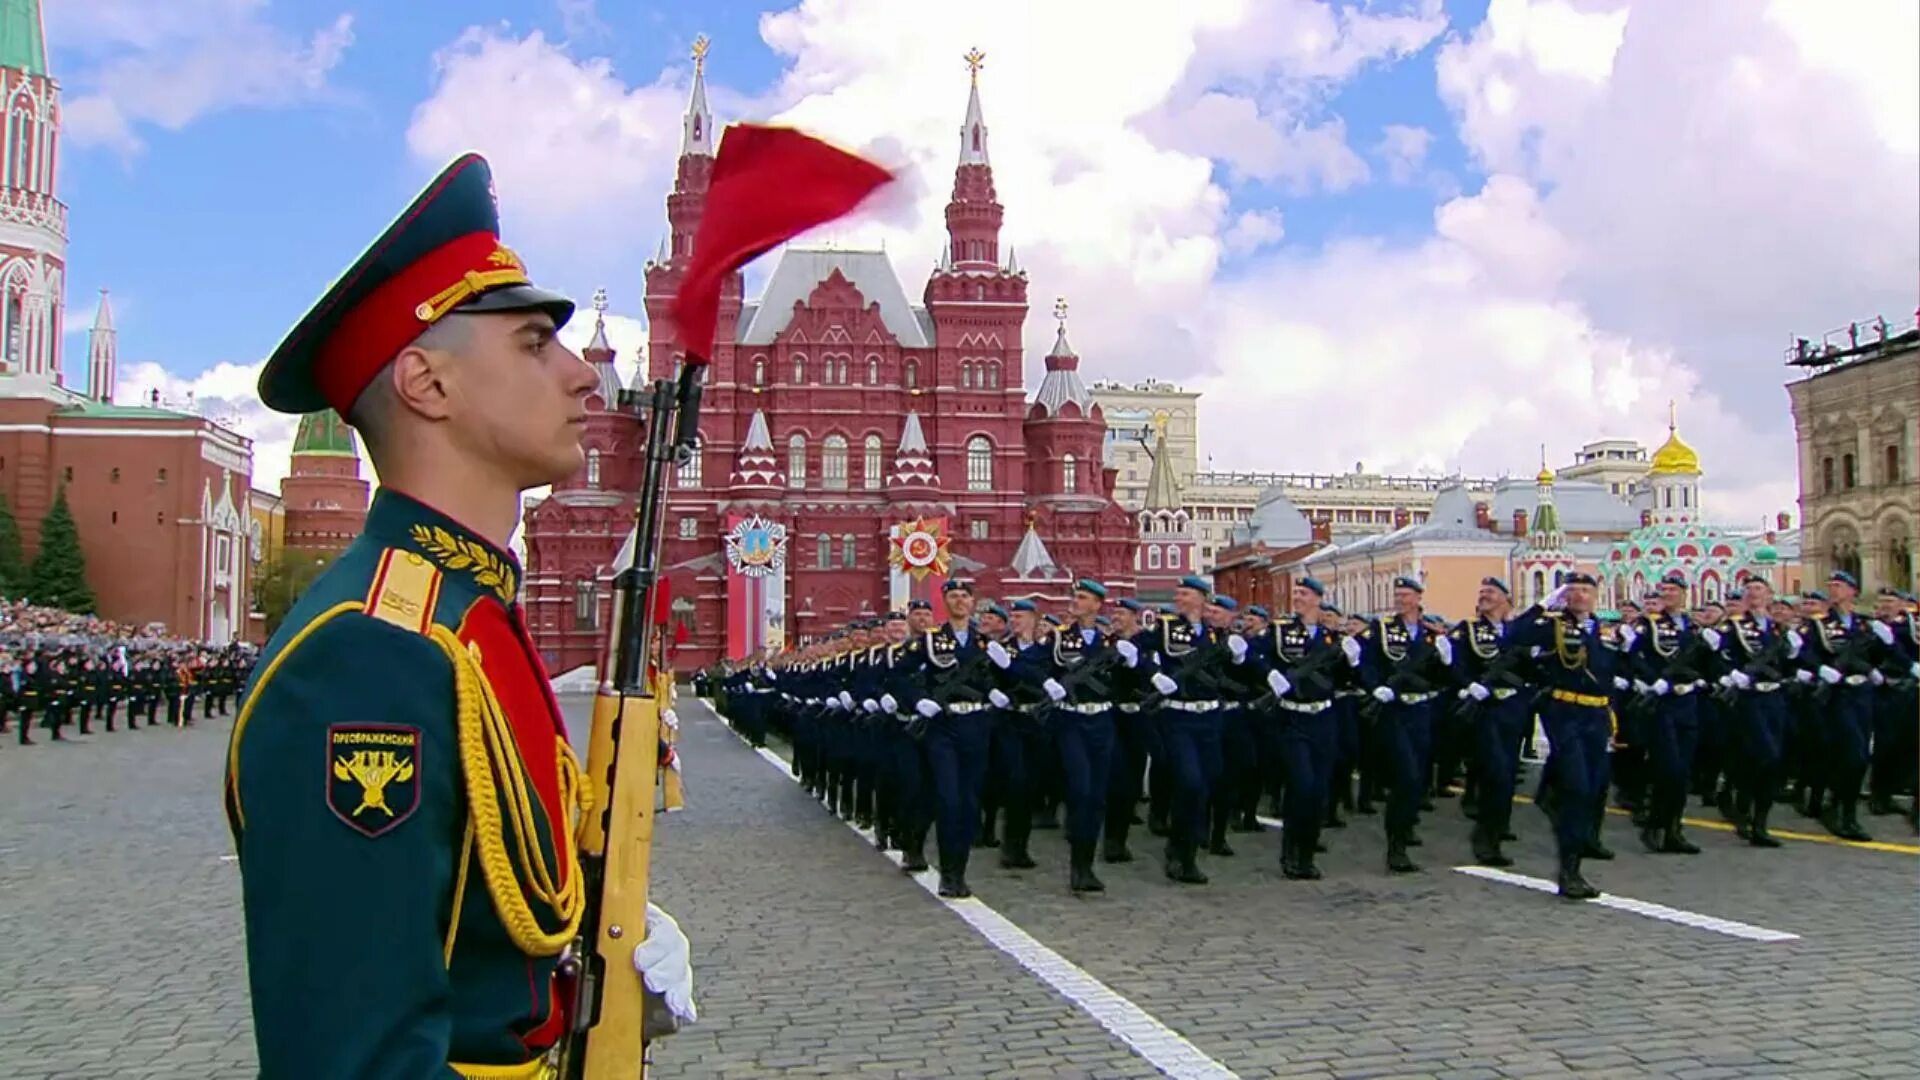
<point>405,590</point>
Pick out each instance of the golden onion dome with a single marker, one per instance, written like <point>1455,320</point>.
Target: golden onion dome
<point>1675,457</point>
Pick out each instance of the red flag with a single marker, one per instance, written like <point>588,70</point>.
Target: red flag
<point>769,185</point>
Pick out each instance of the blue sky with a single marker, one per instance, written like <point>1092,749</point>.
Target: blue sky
<point>1424,234</point>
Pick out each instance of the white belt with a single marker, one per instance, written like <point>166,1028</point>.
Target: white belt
<point>1193,706</point>
<point>1414,699</point>
<point>1088,708</point>
<point>1856,680</point>
<point>1502,693</point>
<point>1685,688</point>
<point>1128,706</point>
<point>1765,687</point>
<point>962,708</point>
<point>1311,708</point>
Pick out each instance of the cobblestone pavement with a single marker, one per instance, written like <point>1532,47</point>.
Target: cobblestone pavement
<point>816,957</point>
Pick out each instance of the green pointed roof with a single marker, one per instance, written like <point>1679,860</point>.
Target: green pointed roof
<point>323,432</point>
<point>22,43</point>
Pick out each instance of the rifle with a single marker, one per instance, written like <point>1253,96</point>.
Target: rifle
<point>1201,668</point>
<point>614,1017</point>
<point>1312,669</point>
<point>1091,674</point>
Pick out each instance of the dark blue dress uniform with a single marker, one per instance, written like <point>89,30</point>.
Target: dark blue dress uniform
<point>1840,653</point>
<point>953,660</point>
<point>1303,668</point>
<point>1132,738</point>
<point>1189,659</point>
<point>1578,662</point>
<point>1073,660</point>
<point>1015,741</point>
<point>1499,706</point>
<point>1756,654</point>
<point>398,783</point>
<point>1403,668</point>
<point>1668,664</point>
<point>1896,721</point>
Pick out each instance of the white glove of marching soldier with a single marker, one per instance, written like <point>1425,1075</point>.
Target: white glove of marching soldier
<point>1794,641</point>
<point>887,703</point>
<point>1556,599</point>
<point>1000,700</point>
<point>1478,692</point>
<point>1882,631</point>
<point>664,965</point>
<point>846,701</point>
<point>1128,652</point>
<point>927,707</point>
<point>1711,637</point>
<point>1352,648</point>
<point>1625,636</point>
<point>870,705</point>
<point>1444,646</point>
<point>1238,646</point>
<point>1661,686</point>
<point>1829,675</point>
<point>998,653</point>
<point>1278,684</point>
<point>1164,684</point>
<point>1383,694</point>
<point>1054,690</point>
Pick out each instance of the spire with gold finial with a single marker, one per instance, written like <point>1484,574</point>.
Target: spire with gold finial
<point>696,135</point>
<point>1545,476</point>
<point>973,132</point>
<point>1675,457</point>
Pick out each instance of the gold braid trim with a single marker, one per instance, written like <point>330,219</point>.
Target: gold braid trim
<point>493,773</point>
<point>1571,659</point>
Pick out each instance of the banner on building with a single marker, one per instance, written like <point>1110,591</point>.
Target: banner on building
<point>756,585</point>
<point>917,552</point>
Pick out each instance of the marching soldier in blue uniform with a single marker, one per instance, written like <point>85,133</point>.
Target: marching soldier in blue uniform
<point>1077,665</point>
<point>1757,654</point>
<point>1305,668</point>
<point>1840,655</point>
<point>1187,655</point>
<point>1671,665</point>
<point>1896,722</point>
<point>953,702</point>
<point>1579,662</point>
<point>399,784</point>
<point>1405,666</point>
<point>1133,728</point>
<point>1498,705</point>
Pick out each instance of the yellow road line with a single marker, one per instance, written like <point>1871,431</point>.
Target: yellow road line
<point>1782,834</point>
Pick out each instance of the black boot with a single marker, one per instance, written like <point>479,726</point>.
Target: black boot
<point>1081,878</point>
<point>1850,828</point>
<point>1757,833</point>
<point>1181,866</point>
<point>1653,838</point>
<point>913,855</point>
<point>1157,823</point>
<point>1677,842</point>
<point>953,883</point>
<point>1013,856</point>
<point>1115,850</point>
<point>1288,868</point>
<point>1573,886</point>
<point>1486,847</point>
<point>1596,848</point>
<point>1397,860</point>
<point>1303,848</point>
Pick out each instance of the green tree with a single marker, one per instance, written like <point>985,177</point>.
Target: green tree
<point>282,579</point>
<point>59,575</point>
<point>13,561</point>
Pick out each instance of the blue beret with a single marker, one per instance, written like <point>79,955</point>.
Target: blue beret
<point>1580,578</point>
<point>1674,577</point>
<point>1845,578</point>
<point>994,608</point>
<point>1330,608</point>
<point>1133,605</point>
<point>919,605</point>
<point>1165,609</point>
<point>1226,603</point>
<point>1196,583</point>
<point>956,585</point>
<point>1816,594</point>
<point>1260,611</point>
<point>1496,583</point>
<point>1102,620</point>
<point>1409,583</point>
<point>1054,620</point>
<point>895,616</point>
<point>1024,605</point>
<point>1312,585</point>
<point>1088,585</point>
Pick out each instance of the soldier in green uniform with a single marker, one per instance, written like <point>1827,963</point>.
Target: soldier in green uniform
<point>399,783</point>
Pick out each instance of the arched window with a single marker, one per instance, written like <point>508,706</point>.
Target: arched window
<point>1899,572</point>
<point>1153,556</point>
<point>913,374</point>
<point>1539,584</point>
<point>1069,473</point>
<point>1846,471</point>
<point>823,551</point>
<point>1685,496</point>
<point>690,471</point>
<point>979,464</point>
<point>586,605</point>
<point>993,376</point>
<point>759,371</point>
<point>799,368</point>
<point>966,375</point>
<point>1669,498</point>
<point>593,468</point>
<point>797,461</point>
<point>873,463</point>
<point>833,463</point>
<point>1826,476</point>
<point>873,371</point>
<point>849,553</point>
<point>1891,475</point>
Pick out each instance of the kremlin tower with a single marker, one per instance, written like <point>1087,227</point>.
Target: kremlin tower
<point>324,496</point>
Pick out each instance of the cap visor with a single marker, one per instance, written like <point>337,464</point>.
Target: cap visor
<point>522,298</point>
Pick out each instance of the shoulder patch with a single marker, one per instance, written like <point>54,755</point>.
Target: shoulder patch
<point>405,589</point>
<point>373,781</point>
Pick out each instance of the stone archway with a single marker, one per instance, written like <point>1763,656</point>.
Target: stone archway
<point>1896,553</point>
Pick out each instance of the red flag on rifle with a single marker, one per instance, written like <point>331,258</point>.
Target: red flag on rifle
<point>769,185</point>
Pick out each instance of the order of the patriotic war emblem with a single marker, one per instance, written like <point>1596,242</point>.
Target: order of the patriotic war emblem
<point>373,781</point>
<point>757,547</point>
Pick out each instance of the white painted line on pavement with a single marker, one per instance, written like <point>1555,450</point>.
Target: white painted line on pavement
<point>1638,907</point>
<point>1164,1048</point>
<point>229,858</point>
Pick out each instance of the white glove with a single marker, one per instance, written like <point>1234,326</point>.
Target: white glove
<point>997,653</point>
<point>927,707</point>
<point>1803,675</point>
<point>1619,683</point>
<point>663,963</point>
<point>1626,636</point>
<point>1794,641</point>
<point>1444,646</point>
<point>1876,678</point>
<point>1726,681</point>
<point>1164,684</point>
<point>1711,637</point>
<point>1383,694</point>
<point>1661,686</point>
<point>1238,646</point>
<point>1278,684</point>
<point>1054,690</point>
<point>887,704</point>
<point>846,701</point>
<point>773,676</point>
<point>1642,688</point>
<point>1351,647</point>
<point>1128,652</point>
<point>1915,671</point>
<point>1556,599</point>
<point>1478,692</point>
<point>833,704</point>
<point>1882,631</point>
<point>671,719</point>
<point>870,705</point>
<point>1742,680</point>
<point>1829,675</point>
<point>1000,700</point>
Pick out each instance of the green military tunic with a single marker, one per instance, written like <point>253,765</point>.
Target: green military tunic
<point>395,778</point>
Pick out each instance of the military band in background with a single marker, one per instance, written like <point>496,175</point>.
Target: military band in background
<point>1002,719</point>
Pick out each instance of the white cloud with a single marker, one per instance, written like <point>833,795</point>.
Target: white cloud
<point>169,64</point>
<point>1404,150</point>
<point>1672,190</point>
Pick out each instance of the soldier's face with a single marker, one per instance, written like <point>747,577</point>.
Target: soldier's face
<point>993,625</point>
<point>1306,603</point>
<point>1085,605</point>
<point>1023,623</point>
<point>517,398</point>
<point>1126,623</point>
<point>920,619</point>
<point>960,604</point>
<point>1673,598</point>
<point>1887,607</point>
<point>896,630</point>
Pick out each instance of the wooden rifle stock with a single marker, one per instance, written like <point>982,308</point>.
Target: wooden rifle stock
<point>614,1019</point>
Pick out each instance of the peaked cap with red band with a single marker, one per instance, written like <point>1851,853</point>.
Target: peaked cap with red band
<point>443,254</point>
